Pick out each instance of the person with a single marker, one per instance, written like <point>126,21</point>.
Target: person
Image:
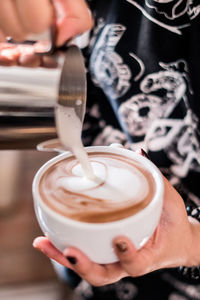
<point>143,66</point>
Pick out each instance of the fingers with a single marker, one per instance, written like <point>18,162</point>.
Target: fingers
<point>74,259</point>
<point>45,246</point>
<point>11,55</point>
<point>134,262</point>
<point>35,16</point>
<point>27,58</point>
<point>9,20</point>
<point>95,274</point>
<point>21,17</point>
<point>8,55</point>
<point>49,62</point>
<point>18,18</point>
<point>24,55</point>
<point>2,36</point>
<point>73,18</point>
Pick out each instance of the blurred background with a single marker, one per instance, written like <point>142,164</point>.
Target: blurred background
<point>25,273</point>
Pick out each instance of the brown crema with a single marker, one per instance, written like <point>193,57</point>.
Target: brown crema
<point>80,207</point>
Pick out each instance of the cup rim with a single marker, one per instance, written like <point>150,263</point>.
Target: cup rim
<point>155,172</point>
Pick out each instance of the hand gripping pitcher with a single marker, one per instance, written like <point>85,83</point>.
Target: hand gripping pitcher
<point>31,98</point>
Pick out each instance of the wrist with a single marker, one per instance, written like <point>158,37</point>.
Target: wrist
<point>191,270</point>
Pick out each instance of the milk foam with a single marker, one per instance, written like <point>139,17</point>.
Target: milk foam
<point>121,188</point>
<point>113,183</point>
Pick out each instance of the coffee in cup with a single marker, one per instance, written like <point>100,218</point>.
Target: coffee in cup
<point>124,199</point>
<point>122,187</point>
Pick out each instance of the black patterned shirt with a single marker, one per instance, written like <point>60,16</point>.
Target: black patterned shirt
<point>143,60</point>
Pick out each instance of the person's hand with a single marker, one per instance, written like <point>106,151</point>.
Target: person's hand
<point>176,242</point>
<point>19,18</point>
<point>24,55</point>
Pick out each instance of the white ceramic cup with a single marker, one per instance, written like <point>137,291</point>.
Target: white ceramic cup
<point>95,240</point>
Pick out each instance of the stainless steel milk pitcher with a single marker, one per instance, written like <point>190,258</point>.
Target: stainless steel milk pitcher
<point>28,97</point>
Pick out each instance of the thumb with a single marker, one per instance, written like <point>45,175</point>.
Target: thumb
<point>134,262</point>
<point>72,18</point>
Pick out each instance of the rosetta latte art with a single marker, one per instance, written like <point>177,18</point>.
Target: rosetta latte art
<point>121,188</point>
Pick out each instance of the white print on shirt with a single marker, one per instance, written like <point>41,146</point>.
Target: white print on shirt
<point>193,11</point>
<point>178,141</point>
<point>141,65</point>
<point>176,296</point>
<point>106,66</point>
<point>191,291</point>
<point>141,110</point>
<point>100,24</point>
<point>172,15</point>
<point>177,9</point>
<point>110,135</point>
<point>85,289</point>
<point>146,115</point>
<point>125,290</point>
<point>85,40</point>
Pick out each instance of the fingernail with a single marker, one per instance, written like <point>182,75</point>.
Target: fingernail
<point>121,247</point>
<point>37,241</point>
<point>144,154</point>
<point>72,260</point>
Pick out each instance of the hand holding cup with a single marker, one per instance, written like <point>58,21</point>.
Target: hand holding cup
<point>173,243</point>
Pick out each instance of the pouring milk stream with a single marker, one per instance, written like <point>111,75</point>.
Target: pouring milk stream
<point>70,108</point>
<point>69,128</point>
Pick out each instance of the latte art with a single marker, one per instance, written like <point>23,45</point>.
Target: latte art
<point>120,189</point>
